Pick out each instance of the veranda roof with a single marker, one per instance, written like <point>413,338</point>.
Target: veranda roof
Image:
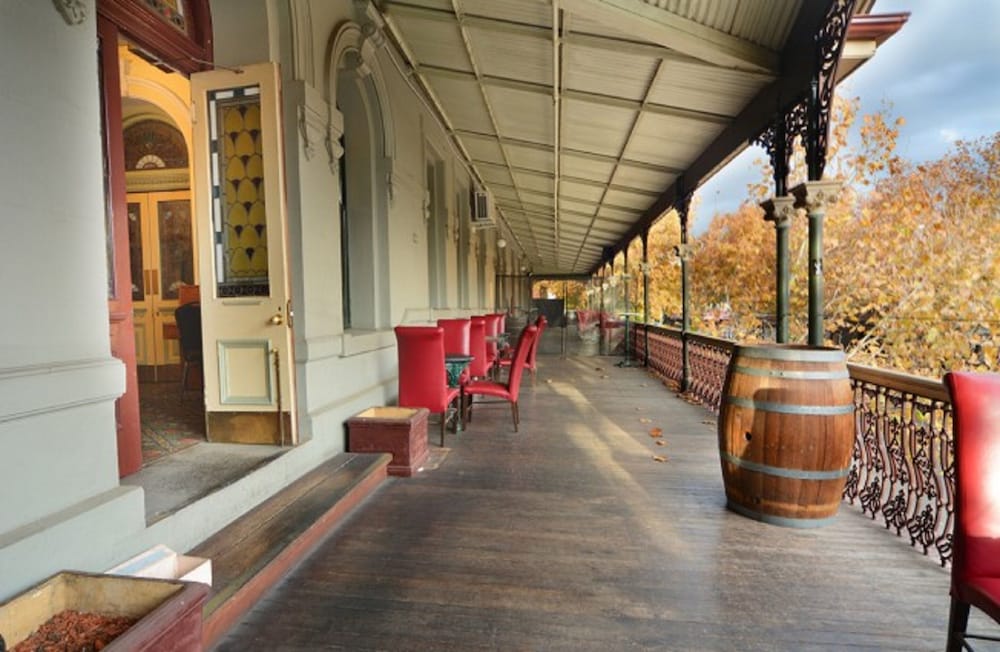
<point>580,116</point>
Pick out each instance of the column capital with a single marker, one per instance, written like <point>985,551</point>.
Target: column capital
<point>779,210</point>
<point>817,195</point>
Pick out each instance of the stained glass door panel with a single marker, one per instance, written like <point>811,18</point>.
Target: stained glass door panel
<point>162,245</point>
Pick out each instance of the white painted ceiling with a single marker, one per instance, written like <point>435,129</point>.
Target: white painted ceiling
<point>579,114</point>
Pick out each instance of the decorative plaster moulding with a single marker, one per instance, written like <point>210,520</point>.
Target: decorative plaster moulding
<point>73,12</point>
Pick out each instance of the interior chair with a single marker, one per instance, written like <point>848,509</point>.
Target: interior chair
<point>530,363</point>
<point>975,565</point>
<point>422,378</point>
<point>188,318</point>
<point>508,391</point>
<point>456,340</point>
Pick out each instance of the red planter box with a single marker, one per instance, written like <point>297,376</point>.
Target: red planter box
<point>169,611</point>
<point>396,430</point>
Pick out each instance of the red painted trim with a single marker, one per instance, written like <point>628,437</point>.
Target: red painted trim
<point>140,24</point>
<point>877,27</point>
<point>122,328</point>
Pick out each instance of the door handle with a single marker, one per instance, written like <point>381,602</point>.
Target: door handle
<point>276,319</point>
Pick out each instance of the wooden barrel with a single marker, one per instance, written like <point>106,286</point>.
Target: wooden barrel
<point>786,431</point>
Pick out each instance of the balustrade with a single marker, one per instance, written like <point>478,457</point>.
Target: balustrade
<point>902,470</point>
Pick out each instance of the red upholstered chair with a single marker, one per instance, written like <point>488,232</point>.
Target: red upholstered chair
<point>975,565</point>
<point>492,330</point>
<point>456,340</point>
<point>478,368</point>
<point>530,363</point>
<point>422,378</point>
<point>505,391</point>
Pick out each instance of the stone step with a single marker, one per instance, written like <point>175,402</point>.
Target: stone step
<point>252,553</point>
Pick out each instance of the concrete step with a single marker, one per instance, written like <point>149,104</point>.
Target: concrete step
<point>253,552</point>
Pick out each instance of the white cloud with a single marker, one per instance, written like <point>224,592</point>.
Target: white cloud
<point>949,135</point>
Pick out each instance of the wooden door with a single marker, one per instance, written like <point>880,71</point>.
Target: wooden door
<point>239,200</point>
<point>162,252</point>
<point>128,433</point>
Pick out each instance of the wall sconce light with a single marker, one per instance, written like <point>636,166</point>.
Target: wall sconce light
<point>501,243</point>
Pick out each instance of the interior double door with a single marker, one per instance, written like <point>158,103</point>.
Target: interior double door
<point>163,258</point>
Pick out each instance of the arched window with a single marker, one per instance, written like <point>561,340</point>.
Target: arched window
<point>364,197</point>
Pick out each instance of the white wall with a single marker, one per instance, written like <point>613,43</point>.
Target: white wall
<point>58,381</point>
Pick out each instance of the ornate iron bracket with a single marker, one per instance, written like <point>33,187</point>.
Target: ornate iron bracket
<point>829,42</point>
<point>809,117</point>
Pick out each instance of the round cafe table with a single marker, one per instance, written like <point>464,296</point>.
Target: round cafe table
<point>454,365</point>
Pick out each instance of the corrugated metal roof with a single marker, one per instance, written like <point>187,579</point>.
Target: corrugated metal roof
<point>645,88</point>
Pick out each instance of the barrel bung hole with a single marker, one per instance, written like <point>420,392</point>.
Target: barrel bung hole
<point>748,435</point>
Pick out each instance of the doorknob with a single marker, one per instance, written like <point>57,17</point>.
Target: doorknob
<point>276,319</point>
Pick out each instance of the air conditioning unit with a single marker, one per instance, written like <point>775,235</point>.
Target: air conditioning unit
<point>481,207</point>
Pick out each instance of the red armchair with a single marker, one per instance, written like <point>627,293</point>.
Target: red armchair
<point>479,367</point>
<point>975,566</point>
<point>530,362</point>
<point>422,378</point>
<point>457,340</point>
<point>505,391</point>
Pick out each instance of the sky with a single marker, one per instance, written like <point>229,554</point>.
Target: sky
<point>940,72</point>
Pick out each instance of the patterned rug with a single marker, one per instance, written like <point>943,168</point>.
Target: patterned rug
<point>170,421</point>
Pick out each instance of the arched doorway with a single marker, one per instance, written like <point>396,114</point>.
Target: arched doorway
<point>179,32</point>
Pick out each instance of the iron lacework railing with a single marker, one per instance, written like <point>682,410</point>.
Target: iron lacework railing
<point>902,470</point>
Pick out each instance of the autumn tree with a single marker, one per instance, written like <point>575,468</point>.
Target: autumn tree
<point>909,259</point>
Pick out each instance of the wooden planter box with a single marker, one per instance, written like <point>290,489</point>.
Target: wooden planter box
<point>396,430</point>
<point>169,611</point>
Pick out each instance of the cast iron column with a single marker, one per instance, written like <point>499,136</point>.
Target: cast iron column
<point>684,253</point>
<point>777,141</point>
<point>780,211</point>
<point>645,297</point>
<point>815,197</point>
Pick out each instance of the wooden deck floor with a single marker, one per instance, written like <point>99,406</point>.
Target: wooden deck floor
<point>569,536</point>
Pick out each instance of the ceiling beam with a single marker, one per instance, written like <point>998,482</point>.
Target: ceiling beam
<point>799,54</point>
<point>568,151</point>
<point>663,27</point>
<point>544,32</point>
<point>582,96</point>
<point>570,179</point>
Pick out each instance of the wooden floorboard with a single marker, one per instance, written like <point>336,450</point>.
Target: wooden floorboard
<point>569,536</point>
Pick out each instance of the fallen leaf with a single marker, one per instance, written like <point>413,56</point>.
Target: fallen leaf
<point>604,375</point>
<point>659,458</point>
<point>708,422</point>
<point>660,442</point>
<point>645,420</point>
<point>598,368</point>
<point>548,380</point>
<point>643,385</point>
<point>656,432</point>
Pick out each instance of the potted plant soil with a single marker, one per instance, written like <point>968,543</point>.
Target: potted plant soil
<point>83,611</point>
